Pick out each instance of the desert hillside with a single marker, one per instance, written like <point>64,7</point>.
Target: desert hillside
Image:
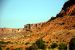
<point>59,29</point>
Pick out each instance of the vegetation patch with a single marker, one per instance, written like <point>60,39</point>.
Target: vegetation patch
<point>62,46</point>
<point>54,45</point>
<point>40,44</point>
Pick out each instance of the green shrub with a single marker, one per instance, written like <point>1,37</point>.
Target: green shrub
<point>62,46</point>
<point>72,44</point>
<point>0,48</point>
<point>54,45</point>
<point>7,48</point>
<point>40,44</point>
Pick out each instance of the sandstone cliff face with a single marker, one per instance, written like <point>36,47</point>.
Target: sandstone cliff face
<point>33,27</point>
<point>60,29</point>
<point>68,9</point>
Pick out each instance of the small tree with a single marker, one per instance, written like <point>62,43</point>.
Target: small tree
<point>54,45</point>
<point>62,46</point>
<point>40,44</point>
<point>7,48</point>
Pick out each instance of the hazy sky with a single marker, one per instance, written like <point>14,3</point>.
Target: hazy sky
<point>17,13</point>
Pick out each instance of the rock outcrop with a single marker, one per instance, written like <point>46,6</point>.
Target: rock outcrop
<point>34,27</point>
<point>62,27</point>
<point>68,9</point>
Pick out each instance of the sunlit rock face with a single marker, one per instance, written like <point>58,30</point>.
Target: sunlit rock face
<point>33,27</point>
<point>68,9</point>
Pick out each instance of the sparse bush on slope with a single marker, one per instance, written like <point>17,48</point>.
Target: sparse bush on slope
<point>72,44</point>
<point>62,46</point>
<point>40,44</point>
<point>54,45</point>
<point>7,48</point>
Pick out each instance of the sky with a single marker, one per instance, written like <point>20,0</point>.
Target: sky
<point>17,13</point>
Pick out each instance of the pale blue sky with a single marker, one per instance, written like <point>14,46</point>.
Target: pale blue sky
<point>17,13</point>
